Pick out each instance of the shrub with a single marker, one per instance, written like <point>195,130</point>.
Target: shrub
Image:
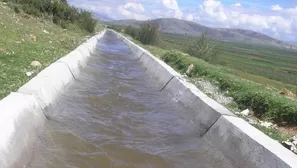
<point>149,33</point>
<point>61,12</point>
<point>202,47</point>
<point>65,24</point>
<point>132,31</point>
<point>86,21</point>
<point>31,10</point>
<point>16,9</point>
<point>56,19</point>
<point>115,27</point>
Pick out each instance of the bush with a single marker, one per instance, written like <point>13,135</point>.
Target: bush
<point>65,24</point>
<point>264,103</point>
<point>61,12</point>
<point>31,10</point>
<point>16,9</point>
<point>203,47</point>
<point>86,21</point>
<point>56,19</point>
<point>132,31</point>
<point>115,27</point>
<point>149,33</point>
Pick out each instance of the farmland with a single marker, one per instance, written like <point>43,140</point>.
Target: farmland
<point>271,66</point>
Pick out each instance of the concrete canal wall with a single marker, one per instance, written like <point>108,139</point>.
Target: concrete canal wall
<point>22,114</point>
<point>240,142</point>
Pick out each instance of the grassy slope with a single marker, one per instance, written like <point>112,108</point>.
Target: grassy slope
<point>18,49</point>
<point>271,66</point>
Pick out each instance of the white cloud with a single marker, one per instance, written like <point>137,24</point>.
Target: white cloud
<point>178,14</point>
<point>170,4</point>
<point>281,24</point>
<point>276,7</point>
<point>135,7</point>
<point>237,5</point>
<point>190,17</point>
<point>214,9</point>
<point>133,10</point>
<point>172,9</point>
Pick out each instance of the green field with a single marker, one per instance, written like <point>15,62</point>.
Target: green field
<point>268,65</point>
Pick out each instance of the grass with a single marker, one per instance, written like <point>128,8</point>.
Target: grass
<point>272,66</point>
<point>18,48</point>
<point>274,133</point>
<point>59,11</point>
<point>265,103</point>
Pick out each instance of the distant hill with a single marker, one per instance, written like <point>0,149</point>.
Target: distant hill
<point>102,17</point>
<point>171,25</point>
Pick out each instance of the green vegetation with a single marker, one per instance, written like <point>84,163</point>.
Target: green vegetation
<point>25,39</point>
<point>264,103</point>
<point>148,33</point>
<point>271,66</point>
<point>132,31</point>
<point>58,10</point>
<point>116,28</point>
<point>274,133</point>
<point>202,47</point>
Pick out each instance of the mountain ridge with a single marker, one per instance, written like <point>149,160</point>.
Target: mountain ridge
<point>177,26</point>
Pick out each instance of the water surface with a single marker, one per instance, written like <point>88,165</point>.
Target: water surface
<point>113,116</point>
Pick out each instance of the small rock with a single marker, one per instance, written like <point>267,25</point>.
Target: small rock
<point>266,124</point>
<point>289,145</point>
<point>190,69</point>
<point>23,39</point>
<point>252,122</point>
<point>50,42</point>
<point>18,42</point>
<point>294,142</point>
<point>35,64</point>
<point>45,31</point>
<point>33,38</point>
<point>29,73</point>
<point>245,112</point>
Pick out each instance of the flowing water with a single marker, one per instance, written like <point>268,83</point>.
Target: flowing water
<point>113,116</point>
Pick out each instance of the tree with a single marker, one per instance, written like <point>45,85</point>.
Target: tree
<point>132,31</point>
<point>149,33</point>
<point>203,47</point>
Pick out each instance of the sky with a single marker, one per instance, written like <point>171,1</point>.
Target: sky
<point>276,18</point>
